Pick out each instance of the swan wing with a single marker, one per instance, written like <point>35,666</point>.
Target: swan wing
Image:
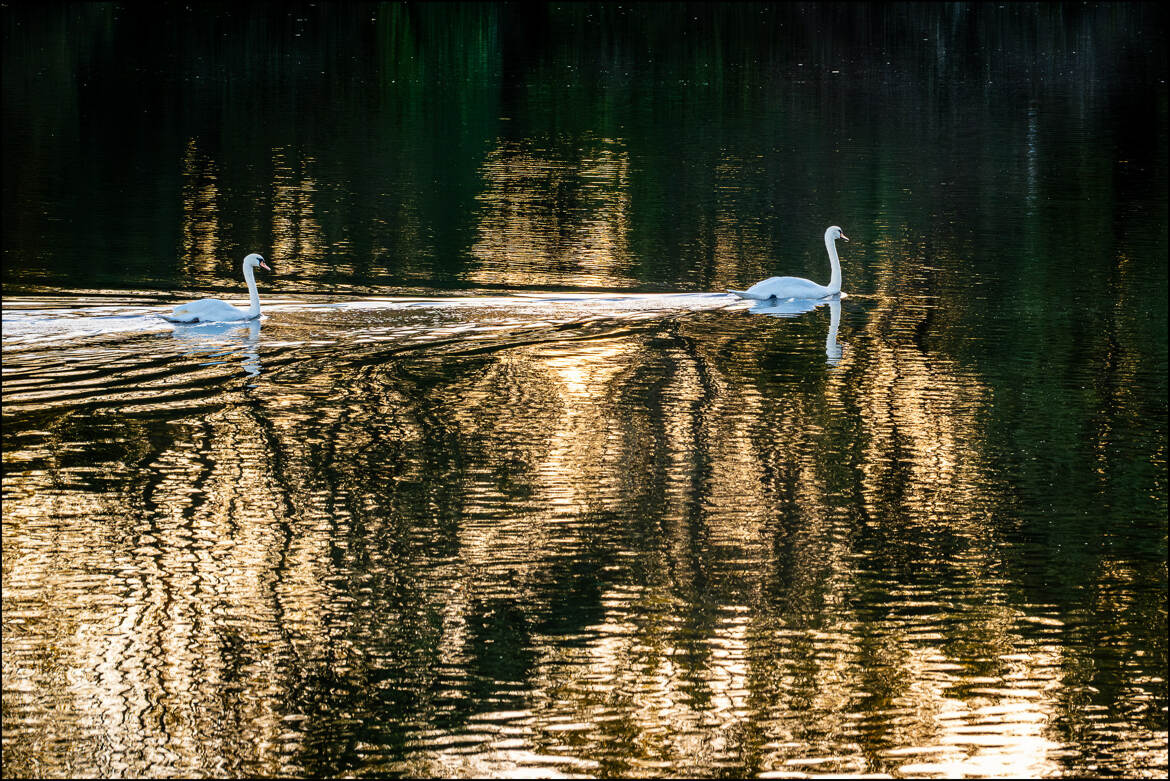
<point>786,287</point>
<point>761,291</point>
<point>206,310</point>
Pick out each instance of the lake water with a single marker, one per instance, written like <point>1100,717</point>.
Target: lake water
<point>503,483</point>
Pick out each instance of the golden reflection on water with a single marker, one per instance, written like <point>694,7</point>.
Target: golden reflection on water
<point>201,228</point>
<point>549,221</point>
<point>298,241</point>
<point>922,414</point>
<point>203,566</point>
<point>742,248</point>
<point>576,474</point>
<point>677,546</point>
<point>650,551</point>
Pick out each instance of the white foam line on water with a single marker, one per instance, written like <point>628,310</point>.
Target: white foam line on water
<point>600,301</point>
<point>38,327</point>
<point>26,326</point>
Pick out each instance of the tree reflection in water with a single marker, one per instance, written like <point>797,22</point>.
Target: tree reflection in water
<point>479,498</point>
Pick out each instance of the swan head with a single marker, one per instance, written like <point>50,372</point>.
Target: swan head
<point>834,233</point>
<point>254,260</point>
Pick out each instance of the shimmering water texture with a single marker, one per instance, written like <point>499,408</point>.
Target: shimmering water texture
<point>582,535</point>
<point>502,483</point>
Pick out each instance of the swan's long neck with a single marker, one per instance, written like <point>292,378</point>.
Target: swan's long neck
<point>835,263</point>
<point>253,296</point>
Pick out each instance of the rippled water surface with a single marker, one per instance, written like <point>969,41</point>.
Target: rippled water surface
<point>503,483</point>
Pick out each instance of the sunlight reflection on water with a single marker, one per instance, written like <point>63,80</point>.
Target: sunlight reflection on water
<point>428,517</point>
<point>554,525</point>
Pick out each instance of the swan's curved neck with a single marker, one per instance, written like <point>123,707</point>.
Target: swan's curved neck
<point>253,296</point>
<point>835,263</point>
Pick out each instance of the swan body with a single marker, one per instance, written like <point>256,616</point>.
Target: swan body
<point>213,310</point>
<point>782,288</point>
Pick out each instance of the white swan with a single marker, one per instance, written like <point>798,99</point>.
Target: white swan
<point>795,287</point>
<point>213,310</point>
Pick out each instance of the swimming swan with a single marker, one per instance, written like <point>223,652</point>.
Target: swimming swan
<point>213,310</point>
<point>795,287</point>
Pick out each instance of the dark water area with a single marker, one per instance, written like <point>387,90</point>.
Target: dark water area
<point>503,482</point>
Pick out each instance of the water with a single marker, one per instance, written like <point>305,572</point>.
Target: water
<point>503,483</point>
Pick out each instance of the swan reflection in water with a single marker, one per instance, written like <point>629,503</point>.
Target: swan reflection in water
<point>222,340</point>
<point>795,307</point>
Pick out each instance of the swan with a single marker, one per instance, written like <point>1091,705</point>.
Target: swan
<point>213,310</point>
<point>795,287</point>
